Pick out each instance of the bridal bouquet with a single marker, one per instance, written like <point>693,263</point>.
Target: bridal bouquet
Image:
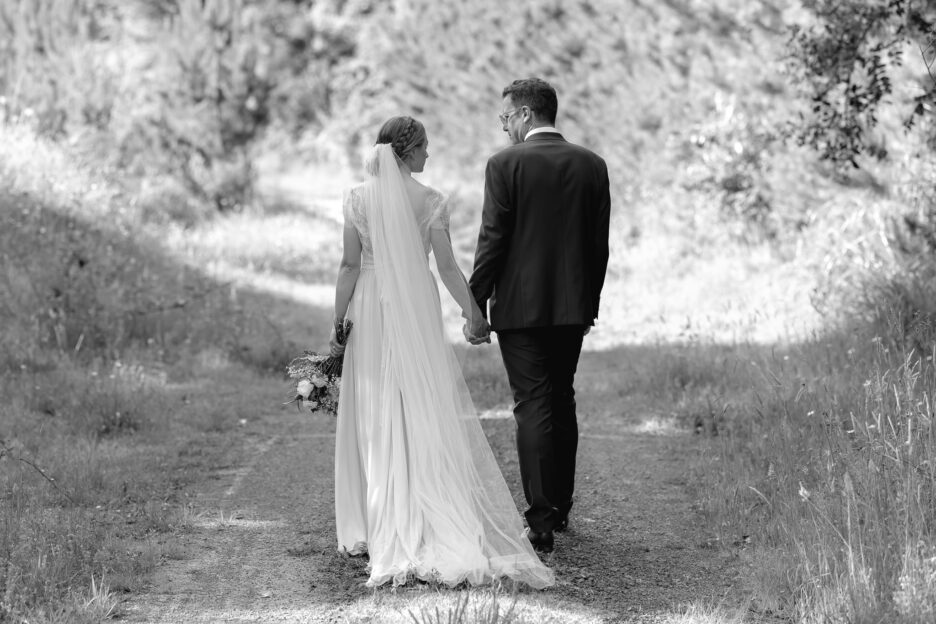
<point>318,376</point>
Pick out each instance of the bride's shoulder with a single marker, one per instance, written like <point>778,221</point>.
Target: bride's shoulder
<point>353,194</point>
<point>352,203</point>
<point>421,194</point>
<point>354,189</point>
<point>438,208</point>
<point>432,195</point>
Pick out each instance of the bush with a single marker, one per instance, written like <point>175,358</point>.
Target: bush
<point>846,59</point>
<point>728,157</point>
<point>879,273</point>
<point>176,88</point>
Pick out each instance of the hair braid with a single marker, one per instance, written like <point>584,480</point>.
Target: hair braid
<point>403,134</point>
<point>401,144</point>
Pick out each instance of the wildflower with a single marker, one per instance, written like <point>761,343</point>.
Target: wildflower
<point>304,388</point>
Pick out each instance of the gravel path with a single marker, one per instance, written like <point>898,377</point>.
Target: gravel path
<point>261,548</point>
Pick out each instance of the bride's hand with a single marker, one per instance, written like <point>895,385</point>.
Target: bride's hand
<point>337,349</point>
<point>478,333</point>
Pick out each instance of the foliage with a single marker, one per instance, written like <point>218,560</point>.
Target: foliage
<point>878,270</point>
<point>846,61</point>
<point>56,69</point>
<point>728,157</point>
<point>211,103</point>
<point>179,92</point>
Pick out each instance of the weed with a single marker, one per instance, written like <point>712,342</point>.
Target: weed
<point>489,611</point>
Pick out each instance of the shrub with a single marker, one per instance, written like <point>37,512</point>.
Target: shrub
<point>879,272</point>
<point>175,88</point>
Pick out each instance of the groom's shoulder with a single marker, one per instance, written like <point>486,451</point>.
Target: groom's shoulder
<point>586,155</point>
<point>508,154</point>
<point>584,150</point>
<point>513,153</point>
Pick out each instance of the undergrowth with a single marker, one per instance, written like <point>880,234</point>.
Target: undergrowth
<point>821,468</point>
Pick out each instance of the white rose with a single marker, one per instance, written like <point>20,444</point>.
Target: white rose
<point>318,381</point>
<point>304,388</point>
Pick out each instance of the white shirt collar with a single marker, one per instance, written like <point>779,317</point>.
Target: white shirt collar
<point>540,130</point>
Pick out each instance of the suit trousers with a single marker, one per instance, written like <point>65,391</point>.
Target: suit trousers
<point>541,364</point>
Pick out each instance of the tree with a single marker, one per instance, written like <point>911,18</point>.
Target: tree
<point>845,62</point>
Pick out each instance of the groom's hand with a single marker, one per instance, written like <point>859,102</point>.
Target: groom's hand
<point>477,333</point>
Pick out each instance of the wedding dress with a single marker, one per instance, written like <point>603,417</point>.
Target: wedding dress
<point>416,485</point>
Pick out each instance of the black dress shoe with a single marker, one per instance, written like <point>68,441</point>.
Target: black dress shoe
<point>542,541</point>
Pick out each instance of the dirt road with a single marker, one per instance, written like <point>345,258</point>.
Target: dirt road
<point>261,546</point>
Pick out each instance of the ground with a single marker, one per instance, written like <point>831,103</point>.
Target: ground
<point>261,547</point>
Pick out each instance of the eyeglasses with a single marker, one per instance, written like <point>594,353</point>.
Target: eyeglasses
<point>505,117</point>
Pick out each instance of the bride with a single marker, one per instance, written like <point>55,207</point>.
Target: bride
<point>417,487</point>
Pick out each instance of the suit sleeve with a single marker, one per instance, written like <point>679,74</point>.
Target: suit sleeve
<point>602,234</point>
<point>497,222</point>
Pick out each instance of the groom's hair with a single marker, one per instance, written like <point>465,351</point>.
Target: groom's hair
<point>404,134</point>
<point>535,93</point>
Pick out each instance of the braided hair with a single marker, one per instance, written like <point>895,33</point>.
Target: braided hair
<point>404,134</point>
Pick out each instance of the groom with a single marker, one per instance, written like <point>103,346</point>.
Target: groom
<point>541,260</point>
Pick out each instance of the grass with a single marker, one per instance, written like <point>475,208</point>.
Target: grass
<point>819,472</point>
<point>81,502</point>
<point>501,606</point>
<point>122,373</point>
<point>465,606</point>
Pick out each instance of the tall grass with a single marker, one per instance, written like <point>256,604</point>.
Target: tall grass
<point>824,470</point>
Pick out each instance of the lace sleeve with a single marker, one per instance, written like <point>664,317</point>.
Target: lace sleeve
<point>353,209</point>
<point>439,210</point>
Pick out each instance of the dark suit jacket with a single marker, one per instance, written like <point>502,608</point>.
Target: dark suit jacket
<point>543,246</point>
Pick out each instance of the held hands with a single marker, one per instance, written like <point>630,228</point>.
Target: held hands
<point>477,333</point>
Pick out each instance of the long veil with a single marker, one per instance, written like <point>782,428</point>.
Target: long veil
<point>450,502</point>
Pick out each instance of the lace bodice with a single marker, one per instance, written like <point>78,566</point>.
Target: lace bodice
<point>434,213</point>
